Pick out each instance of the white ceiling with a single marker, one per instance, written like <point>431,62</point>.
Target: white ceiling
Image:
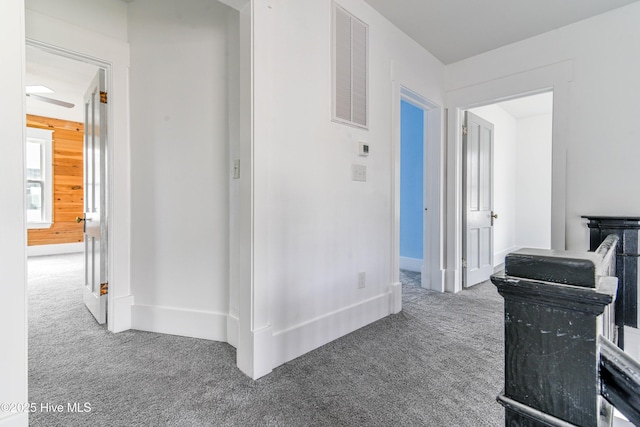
<point>68,79</point>
<point>453,30</point>
<point>535,105</point>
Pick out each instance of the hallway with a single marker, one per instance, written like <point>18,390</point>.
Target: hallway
<point>437,363</point>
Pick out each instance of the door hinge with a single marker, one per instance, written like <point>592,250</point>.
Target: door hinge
<point>103,97</point>
<point>104,288</point>
<point>465,130</point>
<point>464,263</point>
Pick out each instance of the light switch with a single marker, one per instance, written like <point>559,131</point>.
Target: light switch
<point>359,173</point>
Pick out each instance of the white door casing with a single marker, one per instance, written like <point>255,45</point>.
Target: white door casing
<point>477,239</point>
<point>95,201</point>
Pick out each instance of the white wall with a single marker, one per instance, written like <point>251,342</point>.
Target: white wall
<point>533,182</point>
<point>76,34</point>
<point>13,301</point>
<point>105,17</point>
<point>505,172</point>
<point>601,108</point>
<point>316,228</point>
<point>180,172</point>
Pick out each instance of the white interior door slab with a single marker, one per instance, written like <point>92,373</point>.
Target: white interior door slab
<point>477,241</point>
<point>95,203</point>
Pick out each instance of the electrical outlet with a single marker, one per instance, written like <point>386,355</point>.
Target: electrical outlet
<point>362,279</point>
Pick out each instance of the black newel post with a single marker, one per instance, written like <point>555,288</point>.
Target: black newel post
<point>626,228</point>
<point>555,306</point>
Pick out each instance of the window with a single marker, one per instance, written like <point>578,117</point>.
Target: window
<point>39,170</point>
<point>350,73</point>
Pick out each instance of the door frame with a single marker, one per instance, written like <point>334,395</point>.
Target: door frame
<point>557,78</point>
<point>106,66</point>
<point>431,193</point>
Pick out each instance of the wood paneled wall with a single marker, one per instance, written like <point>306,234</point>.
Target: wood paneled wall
<point>68,192</point>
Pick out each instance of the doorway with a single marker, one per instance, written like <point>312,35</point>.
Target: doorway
<point>412,185</point>
<point>58,167</point>
<point>521,171</point>
<point>421,223</point>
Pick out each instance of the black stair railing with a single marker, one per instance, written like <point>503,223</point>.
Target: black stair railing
<point>562,367</point>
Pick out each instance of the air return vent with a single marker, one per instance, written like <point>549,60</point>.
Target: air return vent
<point>350,73</point>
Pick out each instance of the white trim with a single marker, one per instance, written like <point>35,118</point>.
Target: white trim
<point>122,310</point>
<point>307,336</point>
<point>233,326</point>
<point>556,77</point>
<point>58,249</point>
<point>433,245</point>
<point>58,37</point>
<point>395,298</point>
<point>235,4</point>
<point>39,225</point>
<point>411,264</point>
<point>263,347</point>
<point>15,420</point>
<point>206,325</point>
<point>498,257</point>
<point>44,137</point>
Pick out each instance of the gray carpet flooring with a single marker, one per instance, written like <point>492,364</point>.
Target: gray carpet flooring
<point>437,363</point>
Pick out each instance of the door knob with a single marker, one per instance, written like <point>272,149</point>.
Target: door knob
<point>494,215</point>
<point>78,219</point>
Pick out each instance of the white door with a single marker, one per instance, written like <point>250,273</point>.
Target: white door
<point>477,240</point>
<point>95,220</point>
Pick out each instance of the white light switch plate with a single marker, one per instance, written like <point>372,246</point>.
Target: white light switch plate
<point>359,173</point>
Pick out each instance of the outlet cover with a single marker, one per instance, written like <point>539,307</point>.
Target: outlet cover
<point>362,279</point>
<point>359,173</point>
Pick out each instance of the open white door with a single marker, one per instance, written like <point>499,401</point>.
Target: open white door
<point>477,236</point>
<point>95,203</point>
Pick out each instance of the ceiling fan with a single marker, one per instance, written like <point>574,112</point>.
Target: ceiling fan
<point>30,92</point>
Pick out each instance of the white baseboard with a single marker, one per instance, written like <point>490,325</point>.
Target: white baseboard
<point>121,314</point>
<point>62,248</point>
<point>498,257</point>
<point>438,281</point>
<point>232,329</point>
<point>173,321</point>
<point>15,420</point>
<point>452,282</point>
<point>411,264</point>
<point>632,342</point>
<point>255,353</point>
<point>300,339</point>
<point>395,293</point>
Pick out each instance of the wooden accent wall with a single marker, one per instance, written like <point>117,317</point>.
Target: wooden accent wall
<point>68,178</point>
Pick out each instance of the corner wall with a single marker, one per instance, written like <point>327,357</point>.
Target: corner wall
<point>316,229</point>
<point>180,172</point>
<point>13,267</point>
<point>533,182</point>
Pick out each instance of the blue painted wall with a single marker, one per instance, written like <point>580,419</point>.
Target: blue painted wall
<point>411,180</point>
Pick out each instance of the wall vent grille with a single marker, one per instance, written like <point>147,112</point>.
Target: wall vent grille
<point>350,73</point>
